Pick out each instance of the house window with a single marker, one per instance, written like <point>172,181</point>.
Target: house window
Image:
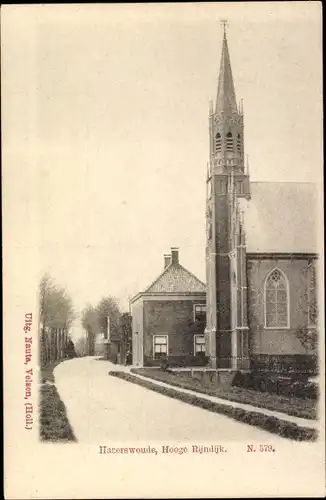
<point>199,344</point>
<point>312,298</point>
<point>276,300</point>
<point>160,349</point>
<point>199,312</point>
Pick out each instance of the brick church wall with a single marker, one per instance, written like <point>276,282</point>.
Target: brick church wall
<point>276,341</point>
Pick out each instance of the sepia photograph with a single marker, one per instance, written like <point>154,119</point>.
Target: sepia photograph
<point>163,247</point>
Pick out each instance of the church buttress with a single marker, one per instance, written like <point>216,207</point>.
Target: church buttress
<point>227,181</point>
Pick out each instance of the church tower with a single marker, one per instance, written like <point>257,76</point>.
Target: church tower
<point>227,181</point>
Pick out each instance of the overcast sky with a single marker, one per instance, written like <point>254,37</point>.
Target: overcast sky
<point>107,117</point>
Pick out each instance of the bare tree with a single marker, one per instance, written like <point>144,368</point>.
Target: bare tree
<point>125,336</point>
<point>56,317</point>
<point>108,310</point>
<point>90,324</point>
<point>81,346</point>
<point>56,307</point>
<point>109,323</point>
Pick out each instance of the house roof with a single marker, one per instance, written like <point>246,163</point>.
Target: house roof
<point>175,278</point>
<point>281,217</point>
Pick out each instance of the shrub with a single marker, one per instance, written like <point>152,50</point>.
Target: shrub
<point>286,364</point>
<point>274,383</point>
<point>180,361</point>
<point>305,390</point>
<point>148,361</point>
<point>164,365</point>
<point>113,358</point>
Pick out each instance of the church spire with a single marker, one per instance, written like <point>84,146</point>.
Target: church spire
<point>225,101</point>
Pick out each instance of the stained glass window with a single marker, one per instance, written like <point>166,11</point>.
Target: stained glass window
<point>276,300</point>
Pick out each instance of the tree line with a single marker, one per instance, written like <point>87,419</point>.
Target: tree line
<point>107,319</point>
<point>56,315</point>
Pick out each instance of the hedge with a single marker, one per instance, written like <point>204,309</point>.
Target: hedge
<point>268,423</point>
<point>277,384</point>
<point>296,363</point>
<point>305,409</point>
<point>180,361</point>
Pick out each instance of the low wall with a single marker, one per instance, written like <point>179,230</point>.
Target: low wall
<point>210,377</point>
<point>177,361</point>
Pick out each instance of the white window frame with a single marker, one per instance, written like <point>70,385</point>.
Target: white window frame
<point>167,343</point>
<point>195,337</point>
<point>194,310</point>
<point>287,288</point>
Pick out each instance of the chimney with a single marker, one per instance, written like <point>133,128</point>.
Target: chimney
<point>167,260</point>
<point>175,255</point>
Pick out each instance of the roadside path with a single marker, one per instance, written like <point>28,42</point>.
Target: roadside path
<point>102,409</point>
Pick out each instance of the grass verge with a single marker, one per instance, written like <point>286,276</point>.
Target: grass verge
<point>271,424</point>
<point>47,374</point>
<point>54,424</point>
<point>296,407</point>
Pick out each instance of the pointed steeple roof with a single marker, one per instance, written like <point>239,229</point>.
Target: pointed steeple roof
<point>226,100</point>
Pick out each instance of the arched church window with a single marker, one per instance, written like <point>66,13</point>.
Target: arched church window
<point>218,143</point>
<point>229,142</point>
<point>239,143</point>
<point>276,300</point>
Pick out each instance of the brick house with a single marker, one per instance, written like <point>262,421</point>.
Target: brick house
<point>168,318</point>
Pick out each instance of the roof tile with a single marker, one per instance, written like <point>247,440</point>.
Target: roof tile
<point>175,278</point>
